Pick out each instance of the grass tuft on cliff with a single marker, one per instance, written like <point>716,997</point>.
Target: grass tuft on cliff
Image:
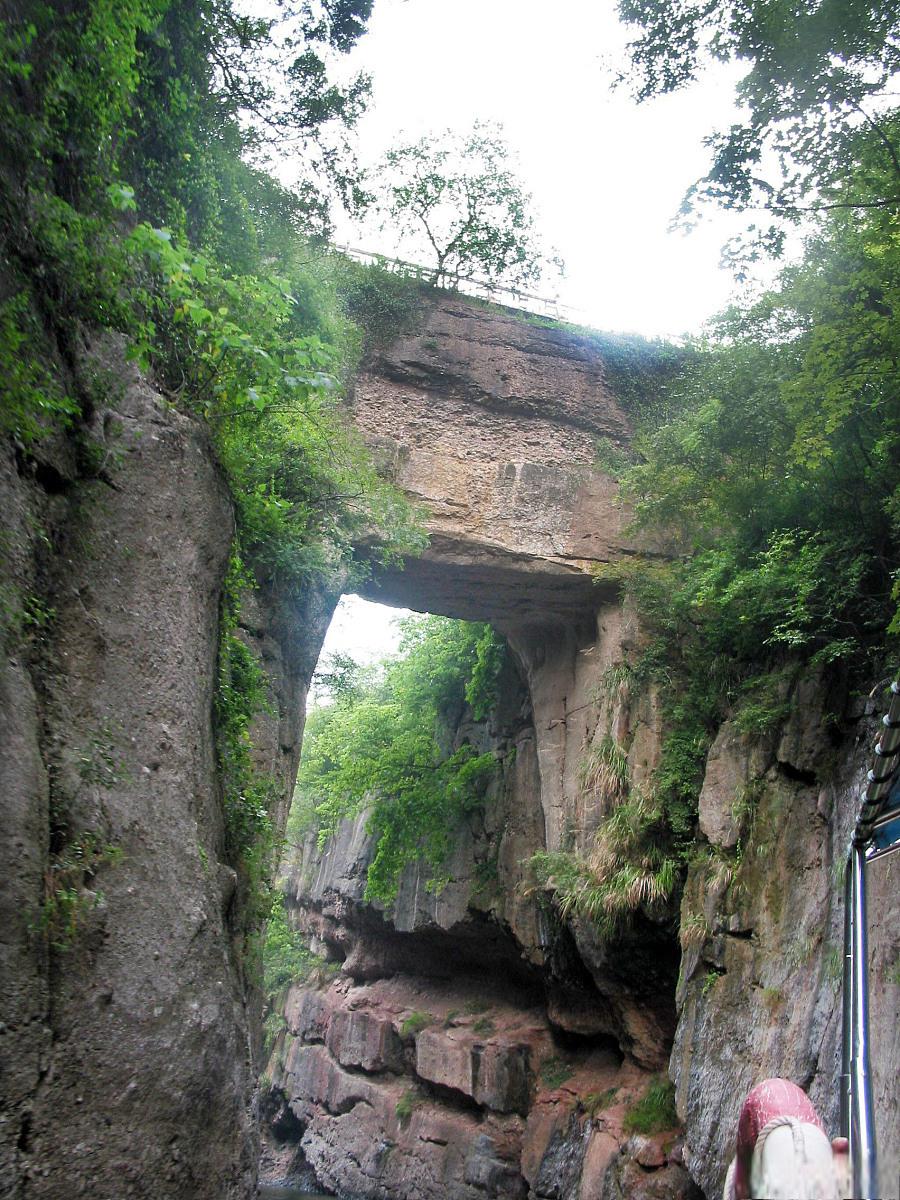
<point>415,1023</point>
<point>629,867</point>
<point>655,1111</point>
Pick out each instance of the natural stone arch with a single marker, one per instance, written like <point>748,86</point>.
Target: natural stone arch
<point>491,423</point>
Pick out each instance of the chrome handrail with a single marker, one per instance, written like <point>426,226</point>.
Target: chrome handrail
<point>857,1103</point>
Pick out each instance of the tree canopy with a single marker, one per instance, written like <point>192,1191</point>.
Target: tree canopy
<point>777,465</point>
<point>819,75</point>
<point>387,745</point>
<point>456,199</point>
<point>772,460</point>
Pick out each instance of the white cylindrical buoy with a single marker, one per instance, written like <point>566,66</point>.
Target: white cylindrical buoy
<point>793,1160</point>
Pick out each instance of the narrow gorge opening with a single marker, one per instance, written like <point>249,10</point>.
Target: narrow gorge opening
<point>421,986</point>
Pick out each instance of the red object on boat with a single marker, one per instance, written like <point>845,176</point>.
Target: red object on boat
<point>770,1099</point>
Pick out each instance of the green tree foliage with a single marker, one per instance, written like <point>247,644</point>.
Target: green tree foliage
<point>286,958</point>
<point>458,201</point>
<point>67,80</point>
<point>33,399</point>
<point>772,466</point>
<point>130,201</point>
<point>156,92</point>
<point>261,357</point>
<point>221,84</point>
<point>780,474</point>
<point>383,303</point>
<point>818,74</point>
<point>153,108</point>
<point>384,745</point>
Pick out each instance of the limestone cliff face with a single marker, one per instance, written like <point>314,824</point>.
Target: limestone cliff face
<point>759,990</point>
<point>126,1047</point>
<point>509,995</point>
<point>491,422</point>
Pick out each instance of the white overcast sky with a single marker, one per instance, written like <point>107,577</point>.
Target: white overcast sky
<point>607,175</point>
<point>366,631</point>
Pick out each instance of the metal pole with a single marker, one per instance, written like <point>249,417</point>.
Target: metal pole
<point>875,835</point>
<point>862,1121</point>
<point>847,1007</point>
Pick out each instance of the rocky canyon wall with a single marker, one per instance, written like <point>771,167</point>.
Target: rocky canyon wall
<point>471,1043</point>
<point>127,1025</point>
<point>468,1042</point>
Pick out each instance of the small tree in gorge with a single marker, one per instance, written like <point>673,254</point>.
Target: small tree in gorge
<point>457,199</point>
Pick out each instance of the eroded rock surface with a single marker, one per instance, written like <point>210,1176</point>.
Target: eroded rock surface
<point>492,423</point>
<point>474,1045</point>
<point>483,1102</point>
<point>759,993</point>
<point>125,1048</point>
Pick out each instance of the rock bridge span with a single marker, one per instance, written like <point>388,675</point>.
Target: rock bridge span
<point>491,423</point>
<point>491,420</point>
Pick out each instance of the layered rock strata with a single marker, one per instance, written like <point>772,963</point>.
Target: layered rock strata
<point>472,1100</point>
<point>492,422</point>
<point>757,993</point>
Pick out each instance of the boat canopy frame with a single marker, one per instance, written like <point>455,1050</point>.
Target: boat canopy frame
<point>875,835</point>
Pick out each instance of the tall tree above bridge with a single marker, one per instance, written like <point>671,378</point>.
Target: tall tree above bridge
<point>457,199</point>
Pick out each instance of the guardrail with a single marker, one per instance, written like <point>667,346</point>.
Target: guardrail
<point>471,285</point>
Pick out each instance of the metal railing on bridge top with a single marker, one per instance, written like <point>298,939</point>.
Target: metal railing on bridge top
<point>471,285</point>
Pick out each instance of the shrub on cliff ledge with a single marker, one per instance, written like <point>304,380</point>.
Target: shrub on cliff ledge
<point>629,867</point>
<point>415,1023</point>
